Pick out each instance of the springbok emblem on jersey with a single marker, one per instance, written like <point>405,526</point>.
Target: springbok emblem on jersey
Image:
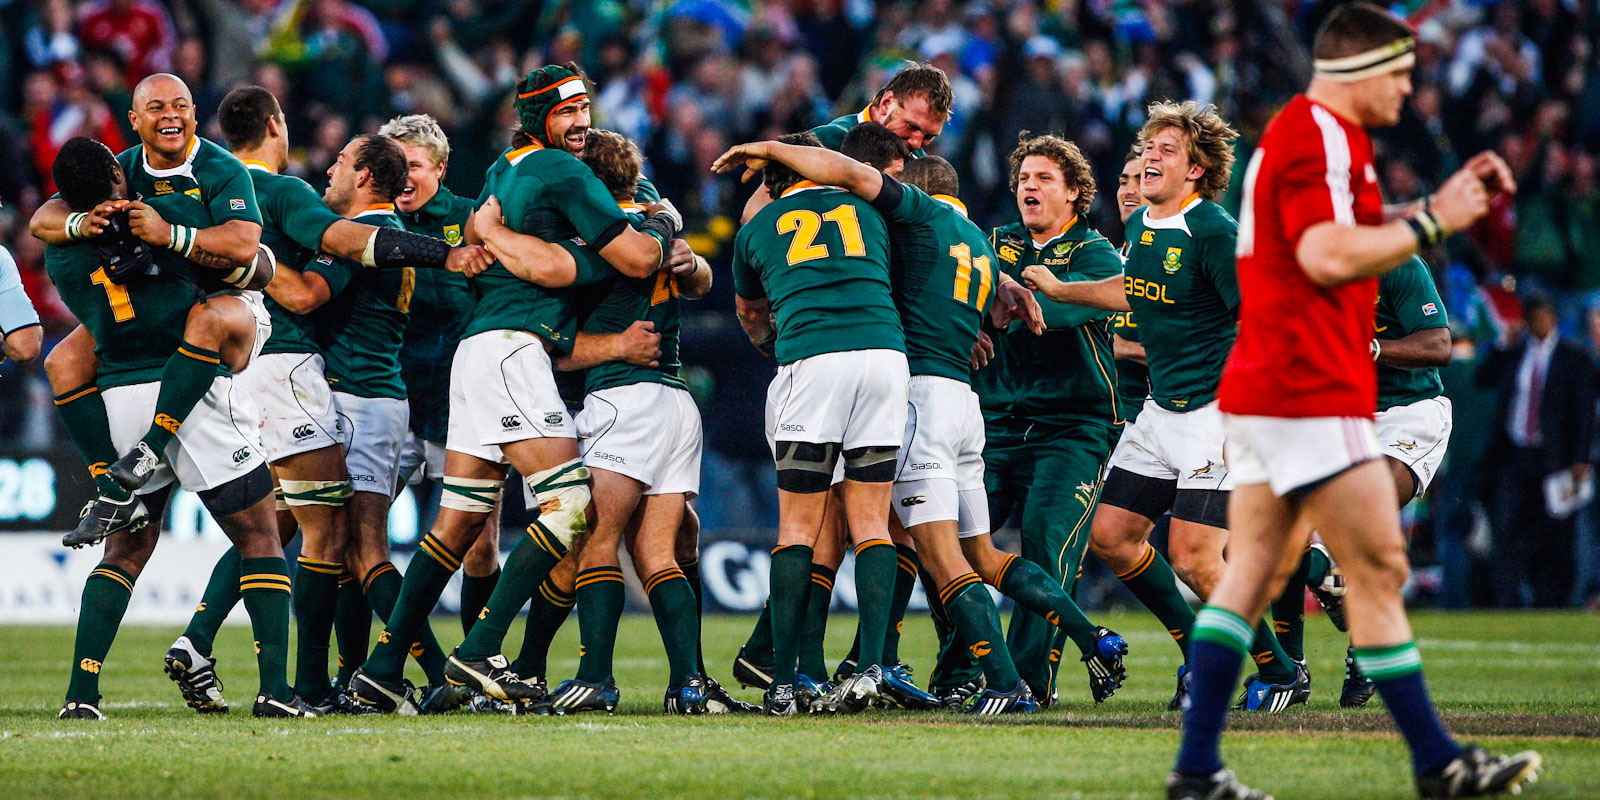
<point>1407,446</point>
<point>1205,470</point>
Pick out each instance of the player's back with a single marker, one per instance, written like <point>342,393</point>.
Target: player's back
<point>942,269</point>
<point>613,305</point>
<point>361,327</point>
<point>293,221</point>
<point>821,256</point>
<point>1303,349</point>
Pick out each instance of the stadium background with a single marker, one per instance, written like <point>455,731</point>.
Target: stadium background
<point>688,78</point>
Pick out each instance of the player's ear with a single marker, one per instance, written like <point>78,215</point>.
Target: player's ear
<point>1195,172</point>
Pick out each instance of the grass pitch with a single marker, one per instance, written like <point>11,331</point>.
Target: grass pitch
<point>1509,681</point>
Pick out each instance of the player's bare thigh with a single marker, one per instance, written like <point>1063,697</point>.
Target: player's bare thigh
<point>226,324</point>
<point>654,533</point>
<point>1355,513</point>
<point>616,497</point>
<point>72,362</point>
<point>325,527</point>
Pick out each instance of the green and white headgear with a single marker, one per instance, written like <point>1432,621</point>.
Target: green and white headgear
<point>542,92</point>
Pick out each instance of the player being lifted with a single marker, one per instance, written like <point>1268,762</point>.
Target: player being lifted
<point>942,281</point>
<point>136,316</point>
<point>1312,243</point>
<point>515,412</point>
<point>1179,280</point>
<point>816,262</point>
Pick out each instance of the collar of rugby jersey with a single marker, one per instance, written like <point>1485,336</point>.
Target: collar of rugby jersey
<point>186,169</point>
<point>865,115</point>
<point>631,207</point>
<point>522,152</point>
<point>260,166</point>
<point>1176,221</point>
<point>952,202</point>
<point>806,186</point>
<point>1065,229</point>
<point>376,209</point>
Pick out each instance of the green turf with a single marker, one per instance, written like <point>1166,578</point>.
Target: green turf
<point>1511,680</point>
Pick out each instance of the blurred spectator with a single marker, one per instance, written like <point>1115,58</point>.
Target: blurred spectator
<point>1543,423</point>
<point>63,108</point>
<point>139,31</point>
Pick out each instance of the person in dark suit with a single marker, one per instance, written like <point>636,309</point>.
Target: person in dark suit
<point>1543,423</point>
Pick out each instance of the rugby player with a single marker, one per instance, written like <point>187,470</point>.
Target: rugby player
<point>516,414</point>
<point>1179,279</point>
<point>1312,243</point>
<point>440,306</point>
<point>134,321</point>
<point>1050,410</point>
<point>811,274</point>
<point>19,322</point>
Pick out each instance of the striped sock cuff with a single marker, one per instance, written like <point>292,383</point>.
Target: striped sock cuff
<point>1223,627</point>
<point>76,394</point>
<point>345,577</point>
<point>264,581</point>
<point>1004,570</point>
<point>689,562</point>
<point>956,586</point>
<point>554,596</point>
<point>599,575</point>
<point>908,559</point>
<point>822,576</point>
<point>114,575</point>
<point>1388,663</point>
<point>372,574</point>
<point>199,353</point>
<point>324,567</point>
<point>870,543</point>
<point>1144,562</point>
<point>546,542</point>
<point>438,552</point>
<point>663,576</point>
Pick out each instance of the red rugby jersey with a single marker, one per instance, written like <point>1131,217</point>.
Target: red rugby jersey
<point>1303,350</point>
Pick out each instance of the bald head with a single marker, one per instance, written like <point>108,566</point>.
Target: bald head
<point>163,116</point>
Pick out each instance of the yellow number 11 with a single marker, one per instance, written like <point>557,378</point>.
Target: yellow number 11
<point>965,264</point>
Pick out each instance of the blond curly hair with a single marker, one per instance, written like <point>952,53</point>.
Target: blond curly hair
<point>1209,137</point>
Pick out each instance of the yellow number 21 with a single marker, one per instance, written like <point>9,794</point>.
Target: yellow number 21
<point>805,225</point>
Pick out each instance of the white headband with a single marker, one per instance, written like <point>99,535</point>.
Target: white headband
<point>1397,55</point>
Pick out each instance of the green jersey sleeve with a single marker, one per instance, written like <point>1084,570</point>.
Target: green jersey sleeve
<point>1093,260</point>
<point>1217,259</point>
<point>233,194</point>
<point>301,214</point>
<point>1411,297</point>
<point>591,268</point>
<point>336,271</point>
<point>746,280</point>
<point>584,199</point>
<point>905,204</point>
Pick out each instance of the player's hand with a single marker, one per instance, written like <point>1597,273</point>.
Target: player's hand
<point>1014,303</point>
<point>1493,171</point>
<point>148,224</point>
<point>1461,201</point>
<point>752,156</point>
<point>486,220</point>
<point>1040,279</point>
<point>681,259</point>
<point>982,351</point>
<point>639,345</point>
<point>98,219</point>
<point>469,260</point>
<point>664,207</point>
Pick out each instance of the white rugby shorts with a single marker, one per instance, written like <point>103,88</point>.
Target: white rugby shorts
<point>502,390</point>
<point>1172,445</point>
<point>856,398</point>
<point>297,413</point>
<point>647,431</point>
<point>1290,453</point>
<point>375,431</point>
<point>216,443</point>
<point>1417,435</point>
<point>420,458</point>
<point>939,471</point>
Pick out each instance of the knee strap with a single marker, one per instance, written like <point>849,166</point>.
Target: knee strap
<point>563,495</point>
<point>806,467</point>
<point>315,493</point>
<point>473,495</point>
<point>278,503</point>
<point>238,494</point>
<point>870,464</point>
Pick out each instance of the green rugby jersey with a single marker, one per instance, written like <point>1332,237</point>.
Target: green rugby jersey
<point>440,307</point>
<point>1066,375</point>
<point>210,176</point>
<point>293,221</point>
<point>832,134</point>
<point>1133,378</point>
<point>136,325</point>
<point>361,326</point>
<point>821,255</point>
<point>942,277</point>
<point>550,194</point>
<point>618,301</point>
<point>1408,302</point>
<point>1181,283</point>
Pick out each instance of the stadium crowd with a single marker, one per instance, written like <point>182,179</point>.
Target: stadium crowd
<point>688,78</point>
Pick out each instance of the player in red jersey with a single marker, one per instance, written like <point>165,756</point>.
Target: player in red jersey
<point>1298,392</point>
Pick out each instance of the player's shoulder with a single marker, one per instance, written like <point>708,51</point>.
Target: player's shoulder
<point>1207,219</point>
<point>1010,241</point>
<point>212,156</point>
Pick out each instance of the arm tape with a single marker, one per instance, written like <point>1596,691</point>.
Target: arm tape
<point>392,247</point>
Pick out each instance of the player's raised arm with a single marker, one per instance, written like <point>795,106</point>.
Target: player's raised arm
<point>815,164</point>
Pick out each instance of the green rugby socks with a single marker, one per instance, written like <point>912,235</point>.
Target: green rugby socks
<point>528,564</point>
<point>546,612</point>
<point>814,625</point>
<point>316,592</point>
<point>875,582</point>
<point>1152,581</point>
<point>672,601</point>
<point>264,587</point>
<point>105,600</point>
<point>83,414</point>
<point>973,613</point>
<point>218,600</point>
<point>1032,588</point>
<point>790,583</point>
<point>184,382</point>
<point>601,596</point>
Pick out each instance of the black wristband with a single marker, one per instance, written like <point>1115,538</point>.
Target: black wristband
<point>660,226</point>
<point>397,248</point>
<point>1426,228</point>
